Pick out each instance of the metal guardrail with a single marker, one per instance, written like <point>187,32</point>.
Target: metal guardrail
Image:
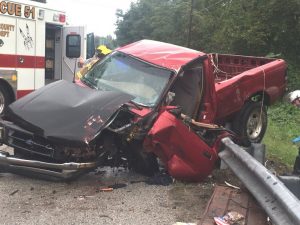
<point>277,200</point>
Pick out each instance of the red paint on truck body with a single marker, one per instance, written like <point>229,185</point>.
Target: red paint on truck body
<point>185,154</point>
<point>161,54</point>
<point>229,82</point>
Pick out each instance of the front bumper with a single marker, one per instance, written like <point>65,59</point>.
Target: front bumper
<point>49,171</point>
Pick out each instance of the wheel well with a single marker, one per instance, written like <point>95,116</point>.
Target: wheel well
<point>260,96</point>
<point>9,89</point>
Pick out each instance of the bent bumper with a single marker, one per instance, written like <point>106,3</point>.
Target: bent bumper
<point>49,171</point>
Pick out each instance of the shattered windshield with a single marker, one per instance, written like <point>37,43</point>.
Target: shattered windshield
<point>120,72</point>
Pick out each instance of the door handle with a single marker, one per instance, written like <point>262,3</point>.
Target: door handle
<point>21,60</point>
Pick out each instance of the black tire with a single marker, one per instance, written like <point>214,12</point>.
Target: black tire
<point>145,163</point>
<point>251,123</point>
<point>141,161</point>
<point>5,99</point>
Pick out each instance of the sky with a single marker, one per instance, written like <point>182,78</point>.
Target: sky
<point>97,15</point>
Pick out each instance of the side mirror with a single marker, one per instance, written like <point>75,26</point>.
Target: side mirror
<point>90,45</point>
<point>73,48</point>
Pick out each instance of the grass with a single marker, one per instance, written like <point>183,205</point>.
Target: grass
<point>284,125</point>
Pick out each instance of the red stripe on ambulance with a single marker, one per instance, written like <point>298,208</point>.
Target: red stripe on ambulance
<point>22,61</point>
<point>21,93</point>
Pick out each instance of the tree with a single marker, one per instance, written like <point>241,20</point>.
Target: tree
<point>251,27</point>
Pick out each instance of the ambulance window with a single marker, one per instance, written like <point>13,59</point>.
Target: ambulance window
<point>73,46</point>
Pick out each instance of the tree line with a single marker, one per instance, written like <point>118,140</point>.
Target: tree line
<point>250,27</point>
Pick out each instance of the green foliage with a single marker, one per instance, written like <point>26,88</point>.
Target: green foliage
<point>285,114</point>
<point>153,19</point>
<point>251,27</point>
<point>293,75</point>
<point>108,41</point>
<point>284,125</point>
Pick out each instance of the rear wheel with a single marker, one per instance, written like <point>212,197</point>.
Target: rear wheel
<point>251,123</point>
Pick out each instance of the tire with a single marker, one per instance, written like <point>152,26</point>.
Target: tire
<point>145,163</point>
<point>5,99</point>
<point>251,123</point>
<point>142,162</point>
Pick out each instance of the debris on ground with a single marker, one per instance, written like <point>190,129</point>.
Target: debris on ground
<point>117,186</point>
<point>180,223</point>
<point>106,189</point>
<point>137,181</point>
<point>227,205</point>
<point>230,218</point>
<point>232,186</point>
<point>106,216</point>
<point>83,197</point>
<point>14,192</point>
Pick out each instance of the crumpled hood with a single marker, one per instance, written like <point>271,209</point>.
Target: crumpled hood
<point>64,110</point>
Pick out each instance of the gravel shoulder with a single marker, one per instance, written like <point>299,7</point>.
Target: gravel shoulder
<point>31,201</point>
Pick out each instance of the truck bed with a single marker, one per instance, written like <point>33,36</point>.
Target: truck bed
<point>229,66</point>
<point>237,78</point>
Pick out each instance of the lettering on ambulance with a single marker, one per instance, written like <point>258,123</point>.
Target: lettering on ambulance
<point>14,9</point>
<point>28,41</point>
<point>5,29</point>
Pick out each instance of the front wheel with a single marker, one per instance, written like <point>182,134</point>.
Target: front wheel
<point>251,123</point>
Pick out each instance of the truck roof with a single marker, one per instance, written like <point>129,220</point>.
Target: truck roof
<point>162,54</point>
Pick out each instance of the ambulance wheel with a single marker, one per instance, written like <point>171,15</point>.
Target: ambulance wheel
<point>251,123</point>
<point>5,99</point>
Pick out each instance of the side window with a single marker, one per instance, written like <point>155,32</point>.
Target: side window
<point>188,91</point>
<point>73,46</point>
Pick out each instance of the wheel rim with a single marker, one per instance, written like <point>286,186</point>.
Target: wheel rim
<point>255,124</point>
<point>2,102</point>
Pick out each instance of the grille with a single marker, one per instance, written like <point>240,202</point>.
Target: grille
<point>26,141</point>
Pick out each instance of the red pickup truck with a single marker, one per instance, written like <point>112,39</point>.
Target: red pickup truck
<point>146,102</point>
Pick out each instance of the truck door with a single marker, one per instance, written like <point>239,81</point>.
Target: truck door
<point>73,42</point>
<point>184,152</point>
<point>26,61</point>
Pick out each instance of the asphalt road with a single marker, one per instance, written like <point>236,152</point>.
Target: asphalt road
<point>31,201</point>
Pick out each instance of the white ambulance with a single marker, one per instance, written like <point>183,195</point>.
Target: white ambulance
<point>36,48</point>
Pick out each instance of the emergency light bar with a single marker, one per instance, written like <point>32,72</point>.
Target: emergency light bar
<point>59,18</point>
